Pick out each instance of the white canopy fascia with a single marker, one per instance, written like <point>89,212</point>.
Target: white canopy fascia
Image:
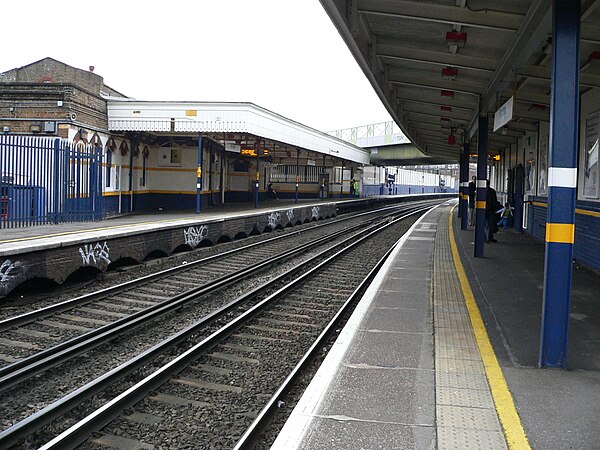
<point>209,117</point>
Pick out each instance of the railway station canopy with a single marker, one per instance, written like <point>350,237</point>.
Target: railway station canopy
<point>239,126</point>
<point>437,65</point>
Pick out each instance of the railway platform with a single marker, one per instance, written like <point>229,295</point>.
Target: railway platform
<point>54,252</point>
<point>442,353</point>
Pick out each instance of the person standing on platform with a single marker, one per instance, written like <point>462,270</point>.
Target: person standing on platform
<point>356,193</point>
<point>352,187</point>
<point>472,192</point>
<point>491,206</point>
<point>272,193</point>
<point>505,214</point>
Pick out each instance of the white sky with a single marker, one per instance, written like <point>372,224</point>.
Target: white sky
<point>284,55</point>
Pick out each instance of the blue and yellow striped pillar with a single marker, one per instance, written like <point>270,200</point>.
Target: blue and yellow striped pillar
<point>562,183</point>
<point>199,176</point>
<point>482,145</point>
<point>464,186</point>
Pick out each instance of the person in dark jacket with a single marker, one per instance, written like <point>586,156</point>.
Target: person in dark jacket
<point>491,206</point>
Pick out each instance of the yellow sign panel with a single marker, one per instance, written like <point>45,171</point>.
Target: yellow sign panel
<point>249,152</point>
<point>191,112</point>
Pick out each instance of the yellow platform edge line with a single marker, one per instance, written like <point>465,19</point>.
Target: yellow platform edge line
<point>505,405</point>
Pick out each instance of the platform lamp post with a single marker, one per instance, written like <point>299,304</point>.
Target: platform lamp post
<point>562,183</point>
<point>482,145</point>
<point>199,175</point>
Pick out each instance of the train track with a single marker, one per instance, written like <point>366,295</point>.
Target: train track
<point>36,332</point>
<point>76,397</point>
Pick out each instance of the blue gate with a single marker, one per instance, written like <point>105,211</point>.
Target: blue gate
<point>46,180</point>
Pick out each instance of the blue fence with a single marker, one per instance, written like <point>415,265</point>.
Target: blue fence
<point>46,180</point>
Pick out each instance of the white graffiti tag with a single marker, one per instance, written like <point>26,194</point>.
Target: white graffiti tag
<point>93,254</point>
<point>193,235</point>
<point>273,219</point>
<point>8,270</point>
<point>314,212</point>
<point>290,214</point>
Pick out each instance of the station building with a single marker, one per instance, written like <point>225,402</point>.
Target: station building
<point>125,155</point>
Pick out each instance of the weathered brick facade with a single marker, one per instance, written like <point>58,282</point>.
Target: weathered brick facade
<point>51,91</point>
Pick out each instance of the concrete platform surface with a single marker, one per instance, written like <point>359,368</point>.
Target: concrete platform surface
<point>559,409</point>
<point>409,370</point>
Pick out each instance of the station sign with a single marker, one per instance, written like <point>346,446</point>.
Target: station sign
<point>249,152</point>
<point>504,114</point>
<point>232,147</point>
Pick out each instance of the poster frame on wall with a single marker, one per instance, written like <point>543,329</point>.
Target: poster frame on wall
<point>543,153</point>
<point>590,156</point>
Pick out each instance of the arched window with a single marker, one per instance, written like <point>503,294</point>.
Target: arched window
<point>145,154</point>
<point>110,148</point>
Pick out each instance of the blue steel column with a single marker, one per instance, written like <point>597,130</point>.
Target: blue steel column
<point>131,150</point>
<point>342,181</point>
<point>464,186</point>
<point>323,180</point>
<point>199,176</point>
<point>482,144</point>
<point>562,182</point>
<point>257,181</point>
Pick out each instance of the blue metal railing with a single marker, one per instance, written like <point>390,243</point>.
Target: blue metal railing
<point>48,180</point>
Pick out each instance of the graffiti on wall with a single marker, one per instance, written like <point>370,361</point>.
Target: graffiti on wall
<point>9,271</point>
<point>194,235</point>
<point>290,214</point>
<point>94,254</point>
<point>273,219</point>
<point>314,212</point>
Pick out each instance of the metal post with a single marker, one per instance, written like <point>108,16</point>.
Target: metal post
<point>297,172</point>
<point>342,181</point>
<point>199,175</point>
<point>482,144</point>
<point>133,146</point>
<point>562,183</point>
<point>323,180</point>
<point>57,183</point>
<point>464,183</point>
<point>257,181</point>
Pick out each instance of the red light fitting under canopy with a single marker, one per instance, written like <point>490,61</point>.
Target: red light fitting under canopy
<point>451,138</point>
<point>449,73</point>
<point>446,93</point>
<point>457,38</point>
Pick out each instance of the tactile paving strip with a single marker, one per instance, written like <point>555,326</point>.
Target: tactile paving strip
<point>465,413</point>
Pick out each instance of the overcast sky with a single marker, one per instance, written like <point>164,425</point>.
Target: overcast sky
<point>284,55</point>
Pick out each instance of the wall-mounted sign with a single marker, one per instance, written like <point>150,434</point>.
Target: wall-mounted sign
<point>590,166</point>
<point>310,162</point>
<point>504,114</point>
<point>232,147</point>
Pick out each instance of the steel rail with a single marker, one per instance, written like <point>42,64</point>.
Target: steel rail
<point>79,432</point>
<point>25,368</point>
<point>32,316</point>
<point>249,438</point>
<point>26,427</point>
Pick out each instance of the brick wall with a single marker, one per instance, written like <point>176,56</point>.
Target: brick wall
<point>33,92</point>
